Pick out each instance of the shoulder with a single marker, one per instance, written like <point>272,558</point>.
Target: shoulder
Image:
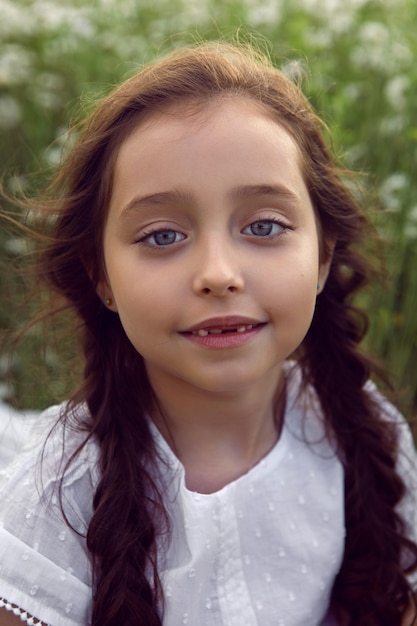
<point>45,509</point>
<point>304,404</point>
<point>305,410</point>
<point>406,449</point>
<point>406,463</point>
<point>406,466</point>
<point>15,427</point>
<point>57,455</point>
<point>53,442</point>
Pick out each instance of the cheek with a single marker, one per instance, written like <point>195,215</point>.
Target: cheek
<point>294,274</point>
<point>292,291</point>
<point>145,300</point>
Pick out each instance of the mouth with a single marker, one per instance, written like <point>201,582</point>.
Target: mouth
<point>232,324</point>
<point>221,333</point>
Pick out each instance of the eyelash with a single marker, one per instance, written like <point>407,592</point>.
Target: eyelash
<point>144,239</point>
<point>271,221</point>
<point>153,233</point>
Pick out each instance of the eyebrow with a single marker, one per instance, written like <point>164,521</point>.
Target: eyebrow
<point>155,199</point>
<point>254,191</point>
<point>176,196</point>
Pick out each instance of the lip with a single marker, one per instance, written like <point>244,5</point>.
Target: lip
<point>230,321</point>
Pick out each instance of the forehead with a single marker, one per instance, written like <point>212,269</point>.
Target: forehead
<point>238,118</point>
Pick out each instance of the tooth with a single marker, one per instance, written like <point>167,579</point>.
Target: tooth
<point>202,332</point>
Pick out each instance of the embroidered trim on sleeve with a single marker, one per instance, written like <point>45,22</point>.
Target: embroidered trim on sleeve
<point>25,617</point>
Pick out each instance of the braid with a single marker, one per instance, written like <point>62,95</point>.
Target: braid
<point>121,534</point>
<point>371,586</point>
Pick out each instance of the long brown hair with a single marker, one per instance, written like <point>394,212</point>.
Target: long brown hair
<point>371,588</point>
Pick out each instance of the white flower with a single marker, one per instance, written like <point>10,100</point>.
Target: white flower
<point>319,37</point>
<point>15,65</point>
<point>391,188</point>
<point>126,7</point>
<point>194,11</point>
<point>412,214</point>
<point>401,55</point>
<point>342,23</point>
<point>53,17</point>
<point>5,393</point>
<point>395,91</point>
<point>410,230</point>
<point>352,91</point>
<point>355,154</point>
<point>266,12</point>
<point>395,182</point>
<point>378,49</point>
<point>373,49</point>
<point>392,125</point>
<point>16,246</point>
<point>10,112</point>
<point>374,33</point>
<point>48,90</point>
<point>17,183</point>
<point>59,149</point>
<point>15,19</point>
<point>330,7</point>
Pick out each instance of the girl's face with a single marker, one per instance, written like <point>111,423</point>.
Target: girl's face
<point>211,247</point>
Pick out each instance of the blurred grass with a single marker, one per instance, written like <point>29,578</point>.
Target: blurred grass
<point>358,61</point>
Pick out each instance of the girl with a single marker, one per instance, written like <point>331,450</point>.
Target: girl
<point>225,461</point>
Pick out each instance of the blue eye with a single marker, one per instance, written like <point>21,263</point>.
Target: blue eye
<point>264,228</point>
<point>163,237</point>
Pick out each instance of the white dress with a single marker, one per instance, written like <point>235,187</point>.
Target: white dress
<point>262,551</point>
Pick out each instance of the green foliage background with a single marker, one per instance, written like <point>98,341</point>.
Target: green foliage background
<point>359,61</point>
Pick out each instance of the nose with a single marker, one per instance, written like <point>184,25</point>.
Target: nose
<point>218,270</point>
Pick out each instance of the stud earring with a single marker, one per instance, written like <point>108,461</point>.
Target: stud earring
<point>318,286</point>
<point>108,301</point>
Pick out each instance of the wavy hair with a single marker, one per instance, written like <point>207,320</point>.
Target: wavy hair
<point>371,588</point>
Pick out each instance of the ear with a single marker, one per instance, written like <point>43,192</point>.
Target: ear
<point>105,294</point>
<point>324,267</point>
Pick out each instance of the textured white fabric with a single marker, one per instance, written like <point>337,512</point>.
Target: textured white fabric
<point>262,551</point>
<point>14,429</point>
<point>44,566</point>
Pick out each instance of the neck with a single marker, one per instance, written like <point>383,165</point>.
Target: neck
<point>219,437</point>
